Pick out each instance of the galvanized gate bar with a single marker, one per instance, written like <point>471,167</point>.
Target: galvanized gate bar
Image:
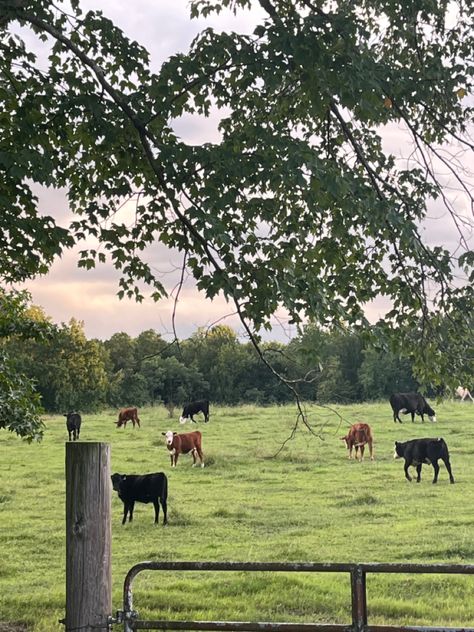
<point>357,573</point>
<point>239,626</point>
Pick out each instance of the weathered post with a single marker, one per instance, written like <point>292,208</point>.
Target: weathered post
<point>88,536</point>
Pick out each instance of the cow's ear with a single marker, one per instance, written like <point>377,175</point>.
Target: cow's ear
<point>164,434</point>
<point>174,433</point>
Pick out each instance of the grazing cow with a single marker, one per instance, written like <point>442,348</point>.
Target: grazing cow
<point>200,406</point>
<point>183,444</point>
<point>358,436</point>
<point>411,403</point>
<point>73,425</point>
<point>463,393</point>
<point>419,451</point>
<point>148,488</point>
<point>128,414</point>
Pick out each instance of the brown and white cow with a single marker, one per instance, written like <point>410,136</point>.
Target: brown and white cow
<point>183,444</point>
<point>128,414</point>
<point>359,436</point>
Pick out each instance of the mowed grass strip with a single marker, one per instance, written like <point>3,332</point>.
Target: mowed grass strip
<point>309,503</point>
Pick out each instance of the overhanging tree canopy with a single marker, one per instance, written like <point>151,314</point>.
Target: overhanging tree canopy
<point>298,205</point>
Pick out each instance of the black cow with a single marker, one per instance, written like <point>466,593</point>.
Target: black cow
<point>73,424</point>
<point>200,406</point>
<point>147,488</point>
<point>411,403</point>
<point>419,451</point>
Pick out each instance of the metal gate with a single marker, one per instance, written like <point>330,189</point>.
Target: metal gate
<point>357,572</point>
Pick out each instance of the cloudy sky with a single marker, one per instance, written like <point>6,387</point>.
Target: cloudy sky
<point>164,28</point>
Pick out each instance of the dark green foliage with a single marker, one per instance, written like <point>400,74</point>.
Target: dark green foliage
<point>20,406</point>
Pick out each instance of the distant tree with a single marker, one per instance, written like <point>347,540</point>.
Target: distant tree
<point>121,349</point>
<point>148,344</point>
<point>383,373</point>
<point>128,388</point>
<point>20,406</point>
<point>181,383</point>
<point>69,370</point>
<point>154,371</point>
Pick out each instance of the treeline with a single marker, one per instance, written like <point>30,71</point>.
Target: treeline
<point>73,372</point>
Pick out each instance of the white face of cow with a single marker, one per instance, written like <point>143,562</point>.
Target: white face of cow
<point>169,437</point>
<point>183,420</point>
<point>433,418</point>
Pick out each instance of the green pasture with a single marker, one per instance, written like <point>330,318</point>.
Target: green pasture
<point>309,503</point>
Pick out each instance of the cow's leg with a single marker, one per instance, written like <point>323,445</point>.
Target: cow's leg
<point>362,448</point>
<point>138,422</point>
<point>436,471</point>
<point>448,467</point>
<point>418,472</point>
<point>130,512</point>
<point>396,416</point>
<point>413,417</point>
<point>69,434</point>
<point>350,451</point>
<point>174,458</point>
<point>199,451</point>
<point>165,510</point>
<point>192,419</point>
<point>78,433</point>
<point>156,504</point>
<point>125,512</point>
<point>407,474</point>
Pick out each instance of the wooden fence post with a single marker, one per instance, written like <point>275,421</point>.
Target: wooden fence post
<point>88,536</point>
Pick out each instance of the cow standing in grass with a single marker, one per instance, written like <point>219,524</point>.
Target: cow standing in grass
<point>146,488</point>
<point>412,403</point>
<point>358,437</point>
<point>193,408</point>
<point>419,451</point>
<point>73,425</point>
<point>128,414</point>
<point>189,442</point>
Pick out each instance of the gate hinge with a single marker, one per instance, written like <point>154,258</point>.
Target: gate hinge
<point>121,616</point>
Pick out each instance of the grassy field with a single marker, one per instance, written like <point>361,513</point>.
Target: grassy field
<point>310,503</point>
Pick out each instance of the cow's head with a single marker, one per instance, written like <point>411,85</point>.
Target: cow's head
<point>183,420</point>
<point>117,481</point>
<point>169,436</point>
<point>399,450</point>
<point>430,412</point>
<point>346,439</point>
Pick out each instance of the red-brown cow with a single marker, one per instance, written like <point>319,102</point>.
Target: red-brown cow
<point>128,414</point>
<point>183,444</point>
<point>358,436</point>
